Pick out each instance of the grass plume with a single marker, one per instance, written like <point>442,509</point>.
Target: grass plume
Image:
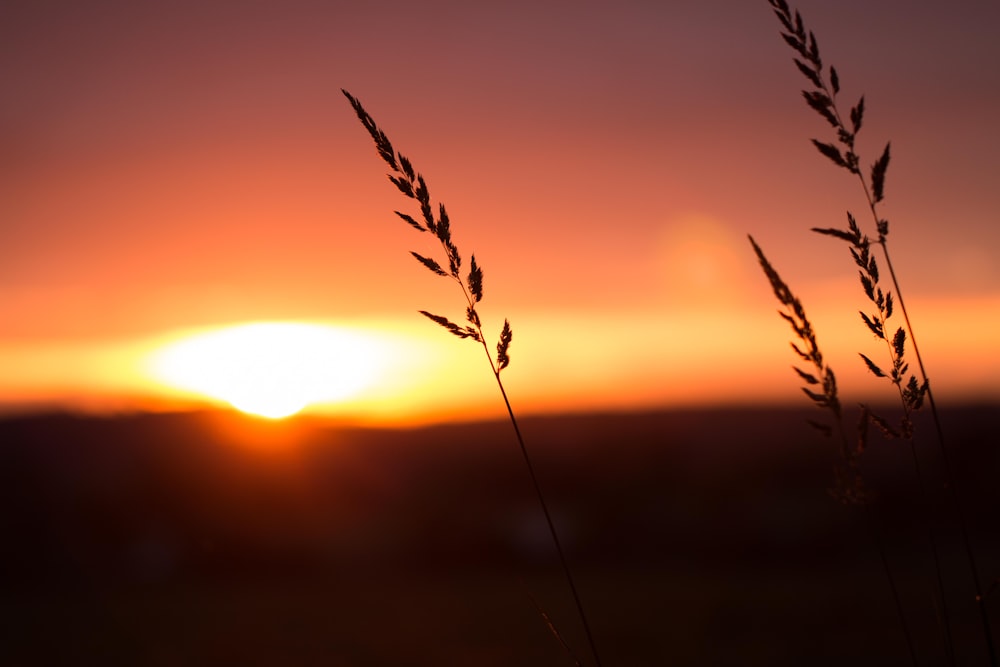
<point>824,101</point>
<point>412,185</point>
<point>820,383</point>
<point>822,98</point>
<point>821,388</point>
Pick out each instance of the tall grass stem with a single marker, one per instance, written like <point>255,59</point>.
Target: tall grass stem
<point>894,590</point>
<point>564,564</point>
<point>850,487</point>
<point>412,185</point>
<point>823,100</point>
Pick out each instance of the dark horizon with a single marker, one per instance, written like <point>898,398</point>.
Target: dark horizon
<point>699,537</point>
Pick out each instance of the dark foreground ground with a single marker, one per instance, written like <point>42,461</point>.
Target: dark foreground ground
<point>697,538</point>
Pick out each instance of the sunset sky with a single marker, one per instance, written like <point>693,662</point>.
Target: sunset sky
<point>171,168</point>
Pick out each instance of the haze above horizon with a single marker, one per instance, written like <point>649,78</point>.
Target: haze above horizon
<point>191,167</point>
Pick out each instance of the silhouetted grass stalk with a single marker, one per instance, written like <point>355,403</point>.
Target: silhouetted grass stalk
<point>412,185</point>
<point>821,388</point>
<point>555,631</point>
<point>823,100</point>
<point>911,393</point>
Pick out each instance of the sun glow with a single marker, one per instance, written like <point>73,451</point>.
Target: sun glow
<point>272,369</point>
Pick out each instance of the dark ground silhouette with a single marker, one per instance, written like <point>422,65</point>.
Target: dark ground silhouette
<point>700,537</point>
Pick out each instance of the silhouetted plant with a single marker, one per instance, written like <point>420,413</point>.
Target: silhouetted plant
<point>822,98</point>
<point>412,184</point>
<point>911,392</point>
<point>821,388</point>
<point>820,385</point>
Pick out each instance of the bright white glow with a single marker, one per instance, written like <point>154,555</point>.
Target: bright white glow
<point>272,369</point>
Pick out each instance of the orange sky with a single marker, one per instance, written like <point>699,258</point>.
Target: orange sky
<point>189,165</point>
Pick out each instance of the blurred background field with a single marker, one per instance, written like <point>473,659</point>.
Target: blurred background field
<point>697,537</point>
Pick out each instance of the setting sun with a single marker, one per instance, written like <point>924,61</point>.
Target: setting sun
<point>271,369</point>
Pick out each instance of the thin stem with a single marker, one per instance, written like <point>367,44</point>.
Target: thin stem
<point>545,510</point>
<point>892,582</point>
<point>896,359</point>
<point>554,630</point>
<point>876,536</point>
<point>984,616</point>
<point>564,564</point>
<point>949,642</point>
<point>534,482</point>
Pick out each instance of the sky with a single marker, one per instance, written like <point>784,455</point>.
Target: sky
<point>172,168</point>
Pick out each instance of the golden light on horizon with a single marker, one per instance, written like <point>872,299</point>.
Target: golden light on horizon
<point>405,371</point>
<point>272,369</point>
